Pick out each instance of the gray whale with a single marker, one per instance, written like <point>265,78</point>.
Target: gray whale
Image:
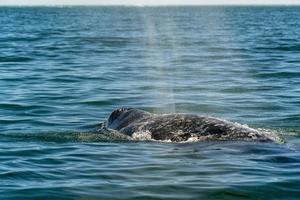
<point>181,127</point>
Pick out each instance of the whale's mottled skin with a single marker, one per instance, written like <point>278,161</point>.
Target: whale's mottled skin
<point>180,127</point>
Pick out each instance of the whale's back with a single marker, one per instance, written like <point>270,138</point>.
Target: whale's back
<point>181,127</point>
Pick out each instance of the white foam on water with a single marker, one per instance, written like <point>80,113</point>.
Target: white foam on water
<point>273,135</point>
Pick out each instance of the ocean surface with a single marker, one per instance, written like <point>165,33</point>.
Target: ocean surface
<point>63,69</point>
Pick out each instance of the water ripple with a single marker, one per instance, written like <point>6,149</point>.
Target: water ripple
<point>65,68</point>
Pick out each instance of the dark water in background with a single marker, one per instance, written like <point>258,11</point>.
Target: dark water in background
<point>64,68</point>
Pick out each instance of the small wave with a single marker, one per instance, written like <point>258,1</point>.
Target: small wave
<point>15,59</point>
<point>278,75</point>
<point>97,102</point>
<point>282,47</point>
<point>21,106</point>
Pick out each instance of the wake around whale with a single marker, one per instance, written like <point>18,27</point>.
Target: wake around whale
<point>136,123</point>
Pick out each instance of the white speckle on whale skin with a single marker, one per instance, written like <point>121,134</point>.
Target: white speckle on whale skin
<point>142,136</point>
<point>146,136</point>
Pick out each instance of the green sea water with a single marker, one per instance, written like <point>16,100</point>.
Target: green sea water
<point>63,69</point>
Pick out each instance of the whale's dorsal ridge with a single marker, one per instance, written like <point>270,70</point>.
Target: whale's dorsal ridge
<point>122,117</point>
<point>115,114</point>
